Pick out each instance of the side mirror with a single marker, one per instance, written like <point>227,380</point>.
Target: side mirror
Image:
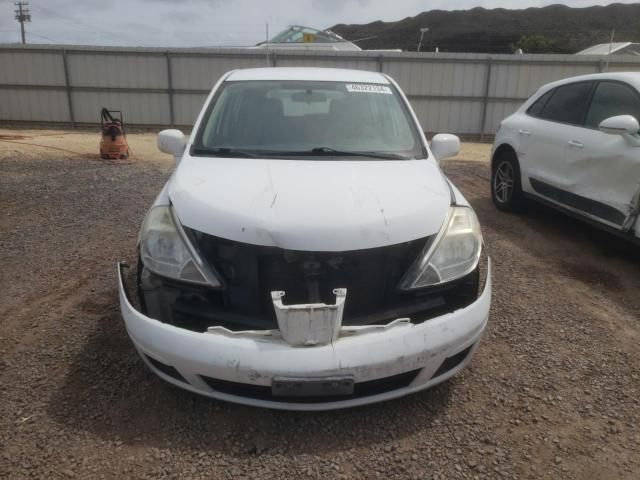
<point>172,141</point>
<point>620,125</point>
<point>445,145</point>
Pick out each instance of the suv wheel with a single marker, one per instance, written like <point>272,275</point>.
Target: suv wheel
<point>506,187</point>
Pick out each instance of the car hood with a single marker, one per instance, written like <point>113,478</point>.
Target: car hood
<point>312,205</point>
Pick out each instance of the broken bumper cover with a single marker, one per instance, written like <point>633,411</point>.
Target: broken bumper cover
<point>384,362</point>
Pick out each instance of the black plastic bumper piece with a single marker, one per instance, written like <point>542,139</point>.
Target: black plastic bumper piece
<point>361,389</point>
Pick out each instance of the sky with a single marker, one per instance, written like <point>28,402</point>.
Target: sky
<point>187,23</point>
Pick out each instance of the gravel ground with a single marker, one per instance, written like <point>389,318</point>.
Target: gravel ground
<point>552,392</point>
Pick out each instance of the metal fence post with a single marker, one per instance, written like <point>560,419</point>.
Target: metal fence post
<point>485,99</point>
<point>172,120</point>
<point>67,84</point>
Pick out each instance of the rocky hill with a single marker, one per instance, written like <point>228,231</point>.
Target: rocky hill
<point>552,29</point>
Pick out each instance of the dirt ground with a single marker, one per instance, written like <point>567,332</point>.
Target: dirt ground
<point>553,391</point>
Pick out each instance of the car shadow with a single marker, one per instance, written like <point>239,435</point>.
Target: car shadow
<point>560,231</point>
<point>566,246</point>
<point>110,393</point>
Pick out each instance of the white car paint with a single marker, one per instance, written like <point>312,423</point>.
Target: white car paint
<point>586,162</point>
<point>359,210</point>
<point>300,205</point>
<point>325,206</point>
<point>255,358</point>
<point>316,74</point>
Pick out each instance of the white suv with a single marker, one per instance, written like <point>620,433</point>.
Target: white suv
<point>575,146</point>
<point>307,252</point>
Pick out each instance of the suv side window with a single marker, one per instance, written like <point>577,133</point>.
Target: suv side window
<point>610,100</point>
<point>568,103</point>
<point>536,109</point>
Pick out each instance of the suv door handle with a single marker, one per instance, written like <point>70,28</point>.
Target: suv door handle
<point>524,132</point>
<point>576,144</point>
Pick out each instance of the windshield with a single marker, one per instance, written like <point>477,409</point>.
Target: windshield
<point>305,118</point>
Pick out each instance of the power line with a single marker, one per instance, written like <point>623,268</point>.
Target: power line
<point>23,16</point>
<point>77,22</point>
<point>115,36</point>
<point>46,38</point>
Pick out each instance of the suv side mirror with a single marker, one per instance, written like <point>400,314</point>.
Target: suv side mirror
<point>620,125</point>
<point>445,145</point>
<point>172,141</point>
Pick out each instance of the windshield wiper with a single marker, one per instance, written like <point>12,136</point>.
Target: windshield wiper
<point>328,151</point>
<point>224,152</point>
<point>325,151</point>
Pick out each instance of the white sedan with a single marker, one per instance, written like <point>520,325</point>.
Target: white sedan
<point>575,145</point>
<point>307,253</point>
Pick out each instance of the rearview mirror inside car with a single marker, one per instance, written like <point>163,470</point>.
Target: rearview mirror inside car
<point>620,125</point>
<point>309,96</point>
<point>445,145</point>
<point>172,141</point>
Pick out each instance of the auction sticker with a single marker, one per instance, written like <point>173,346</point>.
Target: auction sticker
<point>367,88</point>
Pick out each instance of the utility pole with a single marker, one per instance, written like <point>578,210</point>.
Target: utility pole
<point>267,42</point>
<point>613,35</point>
<point>23,15</point>
<point>422,32</point>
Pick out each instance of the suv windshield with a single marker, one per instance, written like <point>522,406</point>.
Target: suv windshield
<point>308,119</point>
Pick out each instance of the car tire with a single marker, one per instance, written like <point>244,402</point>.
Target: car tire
<point>506,184</point>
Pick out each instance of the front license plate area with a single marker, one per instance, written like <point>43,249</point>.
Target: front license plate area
<point>312,387</point>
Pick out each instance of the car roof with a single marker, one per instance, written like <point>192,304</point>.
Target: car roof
<point>308,73</point>
<point>632,78</point>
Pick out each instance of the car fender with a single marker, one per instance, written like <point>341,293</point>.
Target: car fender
<point>501,144</point>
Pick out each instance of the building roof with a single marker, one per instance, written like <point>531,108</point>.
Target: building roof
<point>607,48</point>
<point>307,38</point>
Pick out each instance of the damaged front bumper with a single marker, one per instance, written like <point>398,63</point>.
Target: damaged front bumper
<point>378,362</point>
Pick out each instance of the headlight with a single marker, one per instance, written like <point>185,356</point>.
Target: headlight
<point>165,250</point>
<point>454,253</point>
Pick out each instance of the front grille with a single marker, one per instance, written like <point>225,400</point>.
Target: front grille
<point>360,389</point>
<point>250,273</point>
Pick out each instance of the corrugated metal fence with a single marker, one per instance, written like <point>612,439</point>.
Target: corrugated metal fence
<point>457,93</point>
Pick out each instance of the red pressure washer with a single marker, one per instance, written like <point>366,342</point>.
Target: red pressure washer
<point>113,145</point>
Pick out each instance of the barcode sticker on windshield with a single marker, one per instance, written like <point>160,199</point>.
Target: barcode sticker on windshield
<point>365,88</point>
